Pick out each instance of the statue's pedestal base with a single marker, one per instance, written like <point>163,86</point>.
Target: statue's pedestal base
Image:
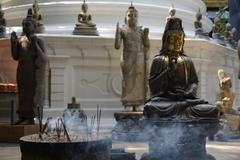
<point>202,36</point>
<point>120,154</point>
<point>84,30</point>
<point>179,139</point>
<point>230,128</point>
<point>128,127</point>
<point>12,133</point>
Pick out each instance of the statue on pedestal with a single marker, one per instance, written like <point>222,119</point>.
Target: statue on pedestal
<point>2,24</point>
<point>38,17</point>
<point>134,67</point>
<point>176,121</point>
<point>173,78</point>
<point>85,26</point>
<point>199,32</point>
<point>29,51</point>
<point>226,96</point>
<point>172,12</point>
<point>133,59</point>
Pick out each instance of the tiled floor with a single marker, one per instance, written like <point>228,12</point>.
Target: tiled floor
<point>221,150</point>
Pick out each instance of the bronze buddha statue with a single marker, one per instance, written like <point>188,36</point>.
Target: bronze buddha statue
<point>29,50</point>
<point>84,18</point>
<point>85,26</point>
<point>173,80</point>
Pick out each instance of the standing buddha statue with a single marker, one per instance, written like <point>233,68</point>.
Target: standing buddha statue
<point>133,59</point>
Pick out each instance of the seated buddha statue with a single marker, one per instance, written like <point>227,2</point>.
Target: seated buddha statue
<point>173,80</point>
<point>84,18</point>
<point>198,25</point>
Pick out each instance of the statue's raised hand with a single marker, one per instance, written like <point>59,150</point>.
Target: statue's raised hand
<point>118,29</point>
<point>14,37</point>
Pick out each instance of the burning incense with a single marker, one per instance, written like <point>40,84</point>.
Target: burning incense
<point>65,130</point>
<point>99,113</point>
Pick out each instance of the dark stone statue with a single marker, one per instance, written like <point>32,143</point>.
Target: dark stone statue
<point>173,80</point>
<point>177,122</point>
<point>2,24</point>
<point>30,53</point>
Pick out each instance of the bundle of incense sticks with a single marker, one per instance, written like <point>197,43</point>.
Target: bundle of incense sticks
<point>99,114</point>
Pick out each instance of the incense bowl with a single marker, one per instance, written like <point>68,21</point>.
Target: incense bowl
<point>97,148</point>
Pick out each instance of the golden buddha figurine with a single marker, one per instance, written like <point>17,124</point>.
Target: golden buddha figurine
<point>85,26</point>
<point>38,17</point>
<point>226,96</point>
<point>84,18</point>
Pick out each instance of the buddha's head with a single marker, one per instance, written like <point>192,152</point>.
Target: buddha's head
<point>29,24</point>
<point>175,41</point>
<point>84,7</point>
<point>199,15</point>
<point>221,74</point>
<point>228,27</point>
<point>172,11</point>
<point>173,37</point>
<point>131,17</point>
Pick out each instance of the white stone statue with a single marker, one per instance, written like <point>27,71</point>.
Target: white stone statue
<point>134,58</point>
<point>171,12</point>
<point>226,96</point>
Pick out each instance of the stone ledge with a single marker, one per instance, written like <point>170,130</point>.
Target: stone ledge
<point>12,133</point>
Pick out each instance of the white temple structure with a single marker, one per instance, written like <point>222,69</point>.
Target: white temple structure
<point>88,68</point>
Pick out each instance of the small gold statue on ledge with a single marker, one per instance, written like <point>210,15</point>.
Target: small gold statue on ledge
<point>38,17</point>
<point>84,25</point>
<point>84,18</point>
<point>226,96</point>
